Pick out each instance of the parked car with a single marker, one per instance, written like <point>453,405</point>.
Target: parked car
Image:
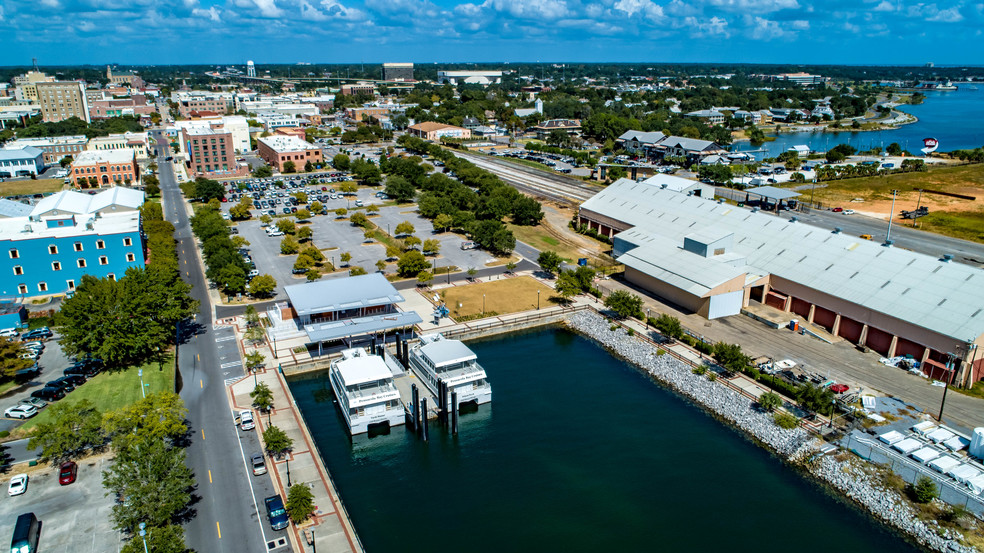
<point>37,334</point>
<point>20,412</point>
<point>848,212</point>
<point>75,380</point>
<point>258,462</point>
<point>65,386</point>
<point>837,209</point>
<point>49,393</point>
<point>26,533</point>
<point>8,332</point>
<point>275,512</point>
<point>67,473</point>
<point>246,420</point>
<point>18,485</point>
<point>36,402</point>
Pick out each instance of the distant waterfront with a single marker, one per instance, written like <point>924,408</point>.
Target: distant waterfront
<point>579,452</point>
<point>953,117</point>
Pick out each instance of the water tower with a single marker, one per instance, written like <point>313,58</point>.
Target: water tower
<point>250,69</point>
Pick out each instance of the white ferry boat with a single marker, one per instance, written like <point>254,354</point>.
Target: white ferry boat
<point>438,358</point>
<point>365,391</point>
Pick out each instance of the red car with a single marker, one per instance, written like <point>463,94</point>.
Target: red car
<point>837,209</point>
<point>67,473</point>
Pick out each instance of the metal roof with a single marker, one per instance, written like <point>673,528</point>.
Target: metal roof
<point>20,154</point>
<point>70,201</point>
<point>362,369</point>
<point>342,293</point>
<point>333,330</point>
<point>447,352</point>
<point>677,184</point>
<point>947,298</point>
<point>10,208</point>
<point>674,265</point>
<point>772,192</point>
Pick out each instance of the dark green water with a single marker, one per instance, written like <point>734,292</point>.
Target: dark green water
<point>578,452</point>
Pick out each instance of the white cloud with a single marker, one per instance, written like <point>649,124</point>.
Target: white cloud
<point>703,27</point>
<point>1,13</point>
<point>336,10</point>
<point>266,8</point>
<point>415,8</point>
<point>800,25</point>
<point>885,6</point>
<point>766,29</point>
<point>529,9</point>
<point>211,14</point>
<point>761,6</point>
<point>949,15</point>
<point>646,8</point>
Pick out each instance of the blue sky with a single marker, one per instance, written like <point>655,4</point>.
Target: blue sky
<point>371,31</point>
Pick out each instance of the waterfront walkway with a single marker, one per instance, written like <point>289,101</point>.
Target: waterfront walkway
<point>331,528</point>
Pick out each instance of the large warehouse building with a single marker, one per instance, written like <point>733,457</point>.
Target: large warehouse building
<point>714,258</point>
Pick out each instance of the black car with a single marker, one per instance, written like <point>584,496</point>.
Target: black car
<point>276,512</point>
<point>37,334</point>
<point>48,393</point>
<point>75,380</point>
<point>61,383</point>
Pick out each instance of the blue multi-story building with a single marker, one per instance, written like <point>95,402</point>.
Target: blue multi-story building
<point>68,235</point>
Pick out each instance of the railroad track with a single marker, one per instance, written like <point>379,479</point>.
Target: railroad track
<point>533,181</point>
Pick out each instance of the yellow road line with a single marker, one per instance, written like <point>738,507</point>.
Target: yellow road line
<point>217,527</point>
<point>209,476</point>
<point>200,384</point>
<point>203,433</point>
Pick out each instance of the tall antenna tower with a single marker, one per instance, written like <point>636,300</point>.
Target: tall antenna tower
<point>34,62</point>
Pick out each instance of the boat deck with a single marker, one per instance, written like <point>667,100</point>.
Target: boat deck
<point>403,383</point>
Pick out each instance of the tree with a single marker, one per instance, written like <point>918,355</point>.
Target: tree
<point>263,172</point>
<point>308,167</point>
<point>894,149</point>
<point>153,480</point>
<point>924,490</point>
<point>567,285</point>
<point>160,539</point>
<point>208,189</point>
<point>160,416</point>
<point>152,186</point>
<point>301,197</point>
<point>289,245</point>
<point>356,271</point>
<point>277,441</point>
<point>316,207</point>
<point>443,221</point>
<point>251,316</point>
<point>312,275</point>
<point>341,212</point>
<point>241,211</point>
<point>340,162</point>
<point>404,228</point>
<point>549,261</point>
<point>770,401</point>
<point>411,242</point>
<point>815,398</point>
<point>302,214</point>
<point>262,397</point>
<point>412,263</point>
<point>262,286</point>
<point>423,277</point>
<point>289,167</point>
<point>381,265</point>
<point>300,503</point>
<point>510,266</point>
<point>526,211</point>
<point>11,357</point>
<point>372,208</point>
<point>348,187</point>
<point>624,304</point>
<point>359,219</point>
<point>393,252</point>
<point>731,357</point>
<point>254,335</point>
<point>399,188</point>
<point>231,279</point>
<point>472,271</point>
<point>669,325</point>
<point>304,233</point>
<point>431,246</point>
<point>254,360</point>
<point>286,226</point>
<point>70,430</point>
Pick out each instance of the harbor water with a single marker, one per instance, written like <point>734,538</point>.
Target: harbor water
<point>953,117</point>
<point>578,451</point>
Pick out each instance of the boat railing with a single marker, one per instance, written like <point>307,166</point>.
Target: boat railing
<point>364,393</point>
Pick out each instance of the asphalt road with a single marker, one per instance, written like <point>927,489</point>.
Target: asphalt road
<point>903,235</point>
<point>230,516</point>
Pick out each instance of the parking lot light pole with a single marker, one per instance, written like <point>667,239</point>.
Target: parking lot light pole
<point>537,300</point>
<point>143,535</point>
<point>288,471</point>
<point>142,391</point>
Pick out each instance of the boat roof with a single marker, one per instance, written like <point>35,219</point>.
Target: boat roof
<point>447,352</point>
<point>362,369</point>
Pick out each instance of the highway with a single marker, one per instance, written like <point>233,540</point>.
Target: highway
<point>903,235</point>
<point>229,513</point>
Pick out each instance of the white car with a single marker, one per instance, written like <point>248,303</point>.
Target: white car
<point>246,420</point>
<point>8,332</point>
<point>848,212</point>
<point>275,233</point>
<point>18,485</point>
<point>21,412</point>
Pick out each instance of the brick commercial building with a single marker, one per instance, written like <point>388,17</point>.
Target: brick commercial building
<point>358,88</point>
<point>189,101</point>
<point>211,152</point>
<point>115,107</point>
<point>430,130</point>
<point>62,100</point>
<point>279,149</point>
<point>139,142</point>
<point>54,147</point>
<point>98,168</point>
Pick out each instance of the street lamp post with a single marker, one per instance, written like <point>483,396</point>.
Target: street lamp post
<point>647,319</point>
<point>143,535</point>
<point>483,304</point>
<point>143,392</point>
<point>537,300</point>
<point>890,215</point>
<point>833,402</point>
<point>288,472</point>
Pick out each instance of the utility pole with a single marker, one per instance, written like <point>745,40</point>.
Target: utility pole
<point>890,215</point>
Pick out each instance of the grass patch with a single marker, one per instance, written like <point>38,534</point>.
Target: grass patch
<point>542,239</point>
<point>7,386</point>
<point>963,179</point>
<point>111,390</point>
<point>24,187</point>
<point>501,296</point>
<point>968,225</point>
<point>977,390</point>
<point>383,238</point>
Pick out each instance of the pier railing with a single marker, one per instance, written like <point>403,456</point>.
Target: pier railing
<point>507,320</point>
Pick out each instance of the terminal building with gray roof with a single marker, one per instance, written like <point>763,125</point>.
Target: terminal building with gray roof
<point>714,259</point>
<point>343,308</point>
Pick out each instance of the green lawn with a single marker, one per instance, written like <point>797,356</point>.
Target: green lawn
<point>111,390</point>
<point>38,186</point>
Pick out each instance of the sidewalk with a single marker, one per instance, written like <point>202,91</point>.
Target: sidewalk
<point>332,528</point>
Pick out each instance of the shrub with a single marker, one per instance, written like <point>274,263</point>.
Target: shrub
<point>630,332</point>
<point>924,490</point>
<point>712,376</point>
<point>770,401</point>
<point>785,420</point>
<point>699,370</point>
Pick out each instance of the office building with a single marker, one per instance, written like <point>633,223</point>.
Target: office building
<point>26,85</point>
<point>279,149</point>
<point>60,100</point>
<point>433,131</point>
<point>21,162</point>
<point>99,168</point>
<point>54,147</point>
<point>397,71</point>
<point>211,152</point>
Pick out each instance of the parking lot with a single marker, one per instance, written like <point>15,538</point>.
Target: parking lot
<point>74,518</point>
<point>52,364</point>
<point>334,236</point>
